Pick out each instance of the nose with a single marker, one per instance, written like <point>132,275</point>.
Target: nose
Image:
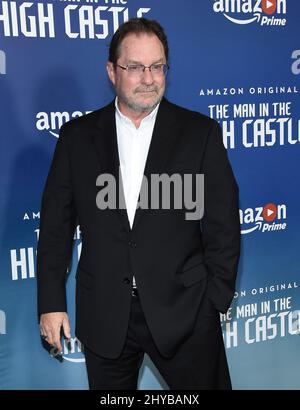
<point>147,76</point>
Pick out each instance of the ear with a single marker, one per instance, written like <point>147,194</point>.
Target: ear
<point>111,72</point>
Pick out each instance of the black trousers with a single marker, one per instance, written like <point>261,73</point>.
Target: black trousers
<point>199,363</point>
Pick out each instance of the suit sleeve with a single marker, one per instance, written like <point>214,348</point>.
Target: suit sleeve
<point>220,224</point>
<point>57,226</point>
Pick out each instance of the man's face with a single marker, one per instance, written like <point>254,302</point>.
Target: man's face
<point>139,93</point>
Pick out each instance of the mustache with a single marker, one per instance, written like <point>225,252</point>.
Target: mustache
<point>146,89</point>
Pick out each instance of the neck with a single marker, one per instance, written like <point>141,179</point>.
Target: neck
<point>135,116</point>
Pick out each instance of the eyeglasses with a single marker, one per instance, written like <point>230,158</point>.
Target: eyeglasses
<point>139,69</point>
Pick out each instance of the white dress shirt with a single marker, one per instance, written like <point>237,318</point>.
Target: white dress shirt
<point>133,147</point>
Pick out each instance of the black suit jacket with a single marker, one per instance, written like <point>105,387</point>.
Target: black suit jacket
<point>175,261</point>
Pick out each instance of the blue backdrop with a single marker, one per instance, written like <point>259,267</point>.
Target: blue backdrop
<point>236,61</point>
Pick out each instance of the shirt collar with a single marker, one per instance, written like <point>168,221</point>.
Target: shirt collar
<point>150,117</point>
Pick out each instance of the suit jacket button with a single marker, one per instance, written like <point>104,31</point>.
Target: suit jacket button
<point>126,280</point>
<point>132,244</point>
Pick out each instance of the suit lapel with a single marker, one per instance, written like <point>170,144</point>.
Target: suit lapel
<point>162,142</point>
<point>106,143</point>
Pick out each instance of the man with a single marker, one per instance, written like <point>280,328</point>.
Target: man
<point>148,280</point>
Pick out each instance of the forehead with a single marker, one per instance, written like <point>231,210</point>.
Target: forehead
<point>141,48</point>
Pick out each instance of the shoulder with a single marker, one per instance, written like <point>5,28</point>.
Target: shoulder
<point>188,117</point>
<point>87,121</point>
<point>190,121</point>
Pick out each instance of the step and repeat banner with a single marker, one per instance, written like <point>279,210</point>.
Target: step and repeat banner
<point>237,61</point>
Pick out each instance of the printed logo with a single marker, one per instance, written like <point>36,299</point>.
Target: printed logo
<point>263,12</point>
<point>268,218</point>
<point>52,121</point>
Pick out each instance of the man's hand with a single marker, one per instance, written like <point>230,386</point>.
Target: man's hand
<point>50,325</point>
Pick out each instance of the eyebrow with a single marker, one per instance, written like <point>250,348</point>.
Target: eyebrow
<point>140,63</point>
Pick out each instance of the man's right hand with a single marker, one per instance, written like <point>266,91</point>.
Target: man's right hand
<point>50,326</point>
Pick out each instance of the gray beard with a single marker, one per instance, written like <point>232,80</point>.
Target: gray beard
<point>142,108</point>
<point>138,107</point>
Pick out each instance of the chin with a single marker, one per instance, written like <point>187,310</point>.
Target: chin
<point>148,103</point>
<point>148,107</point>
<point>145,104</point>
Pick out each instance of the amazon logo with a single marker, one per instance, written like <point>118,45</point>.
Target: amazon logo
<point>52,121</point>
<point>263,12</point>
<point>267,218</point>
